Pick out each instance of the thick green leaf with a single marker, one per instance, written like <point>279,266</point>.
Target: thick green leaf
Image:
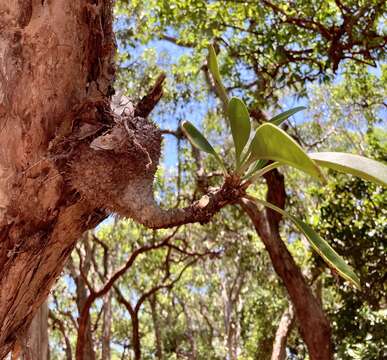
<point>280,118</point>
<point>360,166</point>
<point>214,69</point>
<point>240,125</point>
<point>330,256</point>
<point>197,139</point>
<point>272,143</point>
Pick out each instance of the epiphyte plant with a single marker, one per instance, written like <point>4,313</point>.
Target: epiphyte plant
<point>271,147</point>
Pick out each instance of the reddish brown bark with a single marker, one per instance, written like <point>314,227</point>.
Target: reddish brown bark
<point>54,57</point>
<point>64,154</point>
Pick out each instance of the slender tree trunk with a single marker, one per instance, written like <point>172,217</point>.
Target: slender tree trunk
<point>80,275</point>
<point>57,323</point>
<point>193,355</point>
<point>106,326</point>
<point>281,336</point>
<point>136,343</point>
<point>156,325</point>
<point>88,348</point>
<point>227,318</point>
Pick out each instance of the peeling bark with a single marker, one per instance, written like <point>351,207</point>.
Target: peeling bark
<point>66,158</point>
<point>54,56</point>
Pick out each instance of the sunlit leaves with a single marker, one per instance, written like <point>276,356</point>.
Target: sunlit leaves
<point>360,166</point>
<point>280,118</point>
<point>272,143</point>
<point>198,140</point>
<point>240,125</point>
<point>214,69</point>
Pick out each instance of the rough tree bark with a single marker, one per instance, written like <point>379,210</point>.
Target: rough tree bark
<point>36,346</point>
<point>55,71</point>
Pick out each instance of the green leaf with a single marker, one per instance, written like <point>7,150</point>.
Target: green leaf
<point>280,118</point>
<point>240,125</point>
<point>272,143</point>
<point>198,140</point>
<point>258,165</point>
<point>214,70</point>
<point>255,175</point>
<point>360,166</point>
<point>330,256</point>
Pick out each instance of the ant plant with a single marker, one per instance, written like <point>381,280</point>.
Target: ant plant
<point>271,147</point>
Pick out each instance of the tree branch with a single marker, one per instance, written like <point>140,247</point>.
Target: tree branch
<point>201,211</point>
<point>85,314</point>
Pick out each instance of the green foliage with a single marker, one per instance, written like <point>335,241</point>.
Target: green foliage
<point>272,143</point>
<point>214,69</point>
<point>353,219</point>
<point>240,125</point>
<point>277,44</point>
<point>198,140</point>
<point>360,166</point>
<point>280,118</point>
<point>329,255</point>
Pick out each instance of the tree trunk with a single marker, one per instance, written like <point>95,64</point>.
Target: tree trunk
<point>59,324</point>
<point>37,337</point>
<point>66,158</point>
<point>156,325</point>
<point>136,343</point>
<point>106,326</point>
<point>88,348</point>
<point>190,333</point>
<point>55,63</point>
<point>79,276</point>
<point>281,336</point>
